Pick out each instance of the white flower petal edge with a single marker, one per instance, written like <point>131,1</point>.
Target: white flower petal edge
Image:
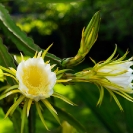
<point>123,80</point>
<point>36,80</point>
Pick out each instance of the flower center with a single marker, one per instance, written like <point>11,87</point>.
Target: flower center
<point>34,78</point>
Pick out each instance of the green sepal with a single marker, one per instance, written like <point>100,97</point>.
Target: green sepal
<point>51,109</point>
<point>40,114</point>
<point>55,94</point>
<point>15,105</point>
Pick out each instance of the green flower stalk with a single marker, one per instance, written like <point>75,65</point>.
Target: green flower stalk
<point>113,74</point>
<point>34,84</point>
<point>89,36</point>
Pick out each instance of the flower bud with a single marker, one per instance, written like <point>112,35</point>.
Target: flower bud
<point>89,36</point>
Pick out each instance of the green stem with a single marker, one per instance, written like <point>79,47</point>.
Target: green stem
<point>32,119</point>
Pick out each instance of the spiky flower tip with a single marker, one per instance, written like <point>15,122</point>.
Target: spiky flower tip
<point>113,74</point>
<point>34,82</point>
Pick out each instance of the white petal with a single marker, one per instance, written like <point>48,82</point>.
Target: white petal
<point>123,80</point>
<point>42,87</point>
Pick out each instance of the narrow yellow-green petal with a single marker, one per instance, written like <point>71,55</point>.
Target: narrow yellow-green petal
<point>116,100</point>
<point>35,55</point>
<point>23,115</point>
<point>48,105</point>
<point>12,111</point>
<point>14,106</point>
<point>111,55</point>
<point>40,107</point>
<point>108,60</point>
<point>12,92</point>
<point>126,96</point>
<point>40,115</point>
<point>9,75</point>
<point>53,66</point>
<point>39,54</point>
<point>47,62</point>
<point>28,106</point>
<point>56,70</point>
<point>51,109</point>
<point>22,57</point>
<point>62,71</point>
<point>82,40</point>
<point>93,60</point>
<point>101,89</point>
<point>89,39</point>
<point>13,70</point>
<point>123,92</point>
<point>59,76</point>
<point>63,80</point>
<point>45,51</point>
<point>115,86</point>
<point>112,74</point>
<point>7,70</point>
<point>55,94</point>
<point>123,57</point>
<point>11,88</point>
<point>16,59</point>
<point>9,93</point>
<point>4,87</point>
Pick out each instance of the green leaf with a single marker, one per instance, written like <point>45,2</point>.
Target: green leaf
<point>56,1</point>
<point>6,60</point>
<point>128,111</point>
<point>19,38</point>
<point>22,42</point>
<point>63,115</point>
<point>105,115</point>
<point>15,118</point>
